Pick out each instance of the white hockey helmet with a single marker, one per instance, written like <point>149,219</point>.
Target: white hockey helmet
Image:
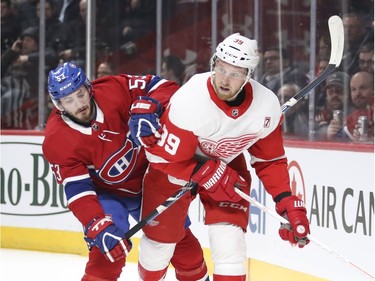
<point>239,51</point>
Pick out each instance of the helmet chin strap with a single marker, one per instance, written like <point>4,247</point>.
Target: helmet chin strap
<point>247,79</point>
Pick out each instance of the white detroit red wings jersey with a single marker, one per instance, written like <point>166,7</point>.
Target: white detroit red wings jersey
<point>197,122</point>
<point>102,156</point>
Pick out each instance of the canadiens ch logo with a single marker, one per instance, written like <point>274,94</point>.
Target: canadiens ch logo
<point>120,165</point>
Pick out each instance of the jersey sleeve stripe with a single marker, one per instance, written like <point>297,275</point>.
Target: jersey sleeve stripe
<point>80,195</point>
<point>255,159</point>
<point>76,178</point>
<point>155,83</point>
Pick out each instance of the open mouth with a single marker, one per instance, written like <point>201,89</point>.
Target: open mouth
<point>224,89</point>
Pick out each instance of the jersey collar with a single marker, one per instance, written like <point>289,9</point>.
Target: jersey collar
<point>232,111</point>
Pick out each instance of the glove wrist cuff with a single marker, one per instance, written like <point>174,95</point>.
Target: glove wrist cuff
<point>281,196</point>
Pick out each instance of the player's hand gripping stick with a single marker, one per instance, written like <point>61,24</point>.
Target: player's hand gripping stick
<point>102,233</point>
<point>296,230</point>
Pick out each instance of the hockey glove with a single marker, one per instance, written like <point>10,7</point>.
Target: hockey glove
<point>144,123</point>
<point>292,209</point>
<point>219,180</point>
<point>102,233</point>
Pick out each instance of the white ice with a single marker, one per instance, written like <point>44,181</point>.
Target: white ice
<point>20,265</point>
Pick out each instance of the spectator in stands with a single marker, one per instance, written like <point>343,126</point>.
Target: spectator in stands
<point>75,43</point>
<point>173,69</point>
<point>356,35</point>
<point>296,119</point>
<point>54,29</point>
<point>366,58</point>
<point>337,96</point>
<point>104,68</point>
<point>26,11</point>
<point>76,37</point>
<point>273,76</point>
<point>19,80</point>
<point>10,26</point>
<point>139,19</point>
<point>67,10</point>
<point>322,64</point>
<point>362,95</point>
<point>324,45</point>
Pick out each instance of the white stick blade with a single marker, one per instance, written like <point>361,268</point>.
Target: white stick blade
<point>336,31</point>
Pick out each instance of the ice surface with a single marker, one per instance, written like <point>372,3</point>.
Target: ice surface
<point>20,265</point>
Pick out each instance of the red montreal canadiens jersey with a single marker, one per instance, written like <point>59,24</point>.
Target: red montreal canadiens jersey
<point>198,123</point>
<point>102,152</point>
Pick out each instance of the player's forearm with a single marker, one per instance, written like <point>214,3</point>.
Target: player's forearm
<point>161,90</point>
<point>86,208</point>
<point>83,201</point>
<point>274,176</point>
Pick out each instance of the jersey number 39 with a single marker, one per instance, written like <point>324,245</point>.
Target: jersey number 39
<point>170,142</point>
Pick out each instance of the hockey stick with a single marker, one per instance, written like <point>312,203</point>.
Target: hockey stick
<point>275,215</point>
<point>336,31</point>
<point>161,208</point>
<point>337,45</point>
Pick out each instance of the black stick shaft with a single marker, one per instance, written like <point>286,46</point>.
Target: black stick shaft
<point>292,101</point>
<point>161,208</point>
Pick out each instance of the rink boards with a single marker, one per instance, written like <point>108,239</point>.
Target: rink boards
<point>336,183</point>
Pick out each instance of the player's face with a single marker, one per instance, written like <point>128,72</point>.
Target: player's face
<point>228,79</point>
<point>78,104</point>
<point>271,60</point>
<point>366,61</point>
<point>361,89</point>
<point>335,97</point>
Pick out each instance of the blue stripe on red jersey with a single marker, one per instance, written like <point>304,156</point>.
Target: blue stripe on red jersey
<point>153,82</point>
<point>78,189</point>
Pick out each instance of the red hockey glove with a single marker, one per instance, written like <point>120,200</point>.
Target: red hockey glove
<point>219,180</point>
<point>144,124</point>
<point>102,233</point>
<point>294,211</point>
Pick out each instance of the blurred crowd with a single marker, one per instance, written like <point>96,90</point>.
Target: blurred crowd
<point>343,104</point>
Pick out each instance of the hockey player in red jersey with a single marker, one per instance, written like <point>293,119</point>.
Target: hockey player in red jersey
<point>88,145</point>
<point>218,116</point>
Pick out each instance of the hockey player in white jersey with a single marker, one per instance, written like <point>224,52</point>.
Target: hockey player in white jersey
<point>217,116</point>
